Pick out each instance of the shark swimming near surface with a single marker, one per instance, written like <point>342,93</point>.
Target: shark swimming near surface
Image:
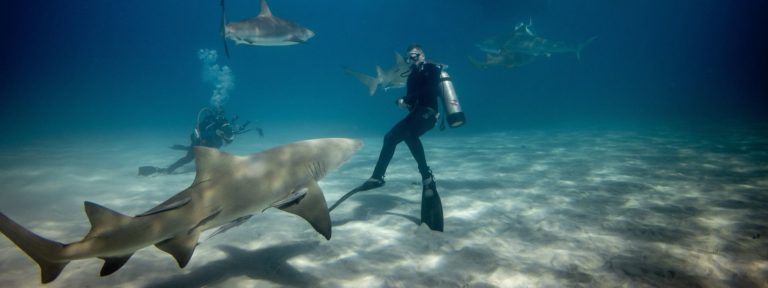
<point>226,189</point>
<point>394,77</point>
<point>521,46</point>
<point>263,30</point>
<point>508,60</point>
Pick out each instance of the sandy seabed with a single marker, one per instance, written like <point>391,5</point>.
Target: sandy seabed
<point>587,208</point>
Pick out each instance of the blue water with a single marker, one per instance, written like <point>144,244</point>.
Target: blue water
<point>584,165</point>
<point>96,65</point>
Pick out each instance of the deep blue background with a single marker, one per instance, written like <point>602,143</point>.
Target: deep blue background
<point>90,66</point>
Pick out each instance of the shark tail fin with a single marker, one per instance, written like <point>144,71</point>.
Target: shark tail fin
<point>42,250</point>
<point>582,45</point>
<point>368,81</point>
<point>223,29</point>
<point>475,63</point>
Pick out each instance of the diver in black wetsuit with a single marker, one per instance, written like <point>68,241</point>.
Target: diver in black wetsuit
<point>213,130</point>
<point>423,88</point>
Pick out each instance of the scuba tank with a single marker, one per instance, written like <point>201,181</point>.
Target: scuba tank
<point>451,104</point>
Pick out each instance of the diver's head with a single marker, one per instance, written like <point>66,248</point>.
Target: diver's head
<point>415,55</point>
<point>226,133</point>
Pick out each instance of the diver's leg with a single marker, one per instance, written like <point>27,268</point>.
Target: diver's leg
<point>184,160</point>
<point>431,205</point>
<point>393,137</point>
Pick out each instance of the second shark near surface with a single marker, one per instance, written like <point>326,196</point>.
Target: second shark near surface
<point>263,30</point>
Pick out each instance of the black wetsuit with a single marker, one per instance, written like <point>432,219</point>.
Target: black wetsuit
<point>207,138</point>
<point>423,89</point>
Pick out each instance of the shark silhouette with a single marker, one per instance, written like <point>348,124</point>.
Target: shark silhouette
<point>263,30</point>
<point>226,189</point>
<point>394,77</point>
<point>522,46</point>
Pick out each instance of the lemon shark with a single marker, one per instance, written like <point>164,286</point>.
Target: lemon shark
<point>263,30</point>
<point>226,188</point>
<point>394,77</point>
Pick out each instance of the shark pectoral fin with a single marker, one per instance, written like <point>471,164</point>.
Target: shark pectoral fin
<point>296,39</point>
<point>181,247</point>
<point>112,264</point>
<point>400,61</point>
<point>313,208</point>
<point>103,218</point>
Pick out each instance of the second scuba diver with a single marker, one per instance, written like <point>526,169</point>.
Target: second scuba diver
<point>212,130</point>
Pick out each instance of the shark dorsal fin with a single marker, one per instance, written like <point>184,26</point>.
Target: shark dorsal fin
<point>313,208</point>
<point>400,60</point>
<point>265,12</point>
<point>103,218</point>
<point>211,161</point>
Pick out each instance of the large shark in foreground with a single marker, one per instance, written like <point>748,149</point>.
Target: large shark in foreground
<point>394,77</point>
<point>264,30</point>
<point>226,189</point>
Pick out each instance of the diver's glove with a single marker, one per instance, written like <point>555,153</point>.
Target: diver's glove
<point>401,103</point>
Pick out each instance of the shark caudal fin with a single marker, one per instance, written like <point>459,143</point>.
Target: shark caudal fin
<point>368,81</point>
<point>582,45</point>
<point>43,251</point>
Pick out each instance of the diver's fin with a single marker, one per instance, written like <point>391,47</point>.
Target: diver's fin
<point>431,206</point>
<point>180,147</point>
<point>148,170</point>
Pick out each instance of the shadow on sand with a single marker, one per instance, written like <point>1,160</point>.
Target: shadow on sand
<point>269,264</point>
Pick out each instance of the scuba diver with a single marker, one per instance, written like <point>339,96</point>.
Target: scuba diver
<point>426,82</point>
<point>212,130</point>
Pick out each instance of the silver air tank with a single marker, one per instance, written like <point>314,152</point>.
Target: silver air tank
<point>453,112</point>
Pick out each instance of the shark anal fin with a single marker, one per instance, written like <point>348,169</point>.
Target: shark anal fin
<point>180,247</point>
<point>112,264</point>
<point>103,218</point>
<point>313,208</point>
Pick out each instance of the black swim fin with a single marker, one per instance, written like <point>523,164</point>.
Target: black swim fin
<point>149,170</point>
<point>431,207</point>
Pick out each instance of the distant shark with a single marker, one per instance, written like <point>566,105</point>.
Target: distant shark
<point>394,77</point>
<point>508,60</point>
<point>263,30</point>
<point>522,44</point>
<point>226,189</point>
